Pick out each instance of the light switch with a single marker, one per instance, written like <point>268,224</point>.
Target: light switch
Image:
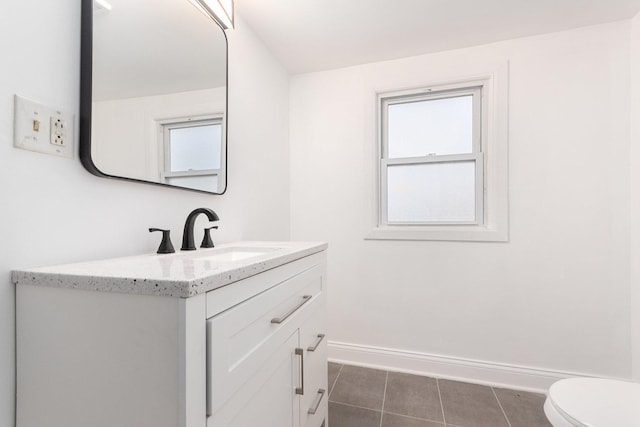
<point>40,128</point>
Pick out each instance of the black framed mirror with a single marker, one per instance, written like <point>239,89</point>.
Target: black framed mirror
<point>153,94</point>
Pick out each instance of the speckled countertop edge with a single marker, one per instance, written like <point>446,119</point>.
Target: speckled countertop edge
<point>179,287</point>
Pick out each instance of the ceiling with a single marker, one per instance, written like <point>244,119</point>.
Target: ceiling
<point>313,35</point>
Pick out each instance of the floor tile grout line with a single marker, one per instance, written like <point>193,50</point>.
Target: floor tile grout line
<point>444,419</point>
<point>384,396</point>
<point>336,380</point>
<point>354,406</point>
<point>501,408</point>
<point>416,418</point>
<point>392,413</point>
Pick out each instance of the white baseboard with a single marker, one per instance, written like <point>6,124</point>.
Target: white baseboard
<point>446,367</point>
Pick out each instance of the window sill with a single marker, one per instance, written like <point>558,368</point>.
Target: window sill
<point>455,233</point>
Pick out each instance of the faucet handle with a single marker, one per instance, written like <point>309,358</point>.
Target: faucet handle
<point>165,246</point>
<point>206,241</point>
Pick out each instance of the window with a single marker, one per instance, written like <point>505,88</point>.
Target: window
<point>193,153</point>
<point>431,165</point>
<point>442,161</point>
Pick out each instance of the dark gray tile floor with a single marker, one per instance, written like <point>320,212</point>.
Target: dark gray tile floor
<point>362,397</point>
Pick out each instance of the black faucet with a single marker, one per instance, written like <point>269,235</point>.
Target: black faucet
<point>187,237</point>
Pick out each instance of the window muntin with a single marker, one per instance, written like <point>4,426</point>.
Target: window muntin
<point>431,165</point>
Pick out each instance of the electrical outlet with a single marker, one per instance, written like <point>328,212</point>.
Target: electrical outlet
<point>58,131</point>
<point>42,129</point>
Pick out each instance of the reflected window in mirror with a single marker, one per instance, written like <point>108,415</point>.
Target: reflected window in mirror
<point>192,155</point>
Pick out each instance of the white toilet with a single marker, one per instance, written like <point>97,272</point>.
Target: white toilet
<point>592,402</point>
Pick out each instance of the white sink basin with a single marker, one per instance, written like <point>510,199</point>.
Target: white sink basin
<point>235,254</point>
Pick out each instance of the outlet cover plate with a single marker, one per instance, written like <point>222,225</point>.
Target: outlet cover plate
<point>37,127</point>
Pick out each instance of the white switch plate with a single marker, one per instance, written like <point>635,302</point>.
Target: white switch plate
<point>40,128</point>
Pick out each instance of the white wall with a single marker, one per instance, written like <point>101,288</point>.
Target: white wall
<point>53,211</point>
<point>634,159</point>
<point>556,296</point>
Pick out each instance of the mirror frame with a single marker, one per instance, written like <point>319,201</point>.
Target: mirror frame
<point>86,99</point>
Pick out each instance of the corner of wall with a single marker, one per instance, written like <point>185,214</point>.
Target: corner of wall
<point>634,187</point>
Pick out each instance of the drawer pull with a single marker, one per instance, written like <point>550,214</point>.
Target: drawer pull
<point>312,411</point>
<point>300,352</point>
<point>278,320</point>
<point>315,346</point>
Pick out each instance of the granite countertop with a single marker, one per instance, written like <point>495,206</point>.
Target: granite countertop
<point>183,274</point>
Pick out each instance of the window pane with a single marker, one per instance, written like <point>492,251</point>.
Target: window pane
<point>437,126</point>
<point>196,148</point>
<point>431,192</point>
<point>204,182</point>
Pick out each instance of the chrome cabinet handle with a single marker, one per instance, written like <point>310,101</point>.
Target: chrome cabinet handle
<point>312,411</point>
<point>278,320</point>
<point>315,346</point>
<point>300,352</point>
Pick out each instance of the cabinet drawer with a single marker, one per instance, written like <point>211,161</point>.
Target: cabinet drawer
<point>241,339</point>
<point>313,339</point>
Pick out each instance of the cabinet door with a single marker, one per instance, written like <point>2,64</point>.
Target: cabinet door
<point>269,398</point>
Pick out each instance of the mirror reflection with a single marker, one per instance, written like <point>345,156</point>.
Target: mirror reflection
<point>159,94</point>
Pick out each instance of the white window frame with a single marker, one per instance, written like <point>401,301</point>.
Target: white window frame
<point>493,158</point>
<point>473,89</point>
<point>165,127</point>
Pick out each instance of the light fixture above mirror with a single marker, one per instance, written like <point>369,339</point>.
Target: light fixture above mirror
<point>220,11</point>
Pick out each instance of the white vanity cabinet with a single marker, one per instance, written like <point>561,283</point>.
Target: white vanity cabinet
<point>263,350</point>
<point>246,354</point>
